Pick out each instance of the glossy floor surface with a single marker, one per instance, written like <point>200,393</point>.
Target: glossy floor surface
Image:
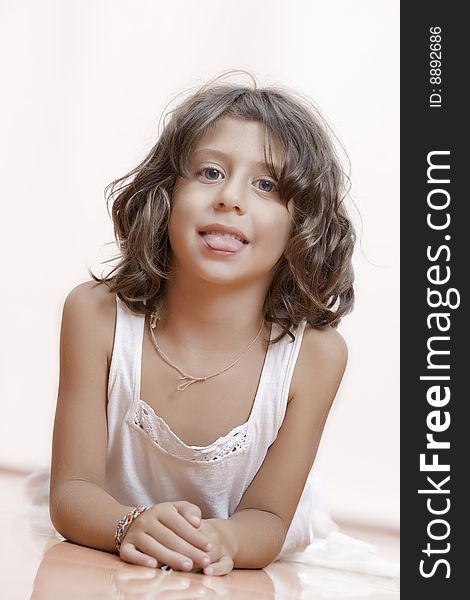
<point>36,563</point>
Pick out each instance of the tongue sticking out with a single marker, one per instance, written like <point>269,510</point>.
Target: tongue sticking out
<point>223,242</point>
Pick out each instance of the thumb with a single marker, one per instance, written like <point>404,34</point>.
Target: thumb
<point>191,512</point>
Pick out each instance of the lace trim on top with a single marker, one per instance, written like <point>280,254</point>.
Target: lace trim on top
<point>160,433</point>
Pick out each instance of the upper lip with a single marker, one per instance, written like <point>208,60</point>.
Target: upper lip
<point>224,229</point>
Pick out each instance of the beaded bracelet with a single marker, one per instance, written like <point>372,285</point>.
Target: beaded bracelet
<point>124,524</point>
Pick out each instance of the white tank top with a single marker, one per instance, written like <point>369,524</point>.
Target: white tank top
<point>148,463</point>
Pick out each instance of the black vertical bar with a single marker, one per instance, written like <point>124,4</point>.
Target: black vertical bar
<point>435,237</point>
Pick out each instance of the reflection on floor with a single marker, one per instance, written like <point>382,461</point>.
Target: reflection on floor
<point>38,564</point>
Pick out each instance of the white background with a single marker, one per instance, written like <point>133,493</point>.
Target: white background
<point>84,85</point>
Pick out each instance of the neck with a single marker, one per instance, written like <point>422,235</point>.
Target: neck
<point>205,317</point>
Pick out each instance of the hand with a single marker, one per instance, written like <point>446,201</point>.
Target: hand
<point>223,547</point>
<point>167,533</point>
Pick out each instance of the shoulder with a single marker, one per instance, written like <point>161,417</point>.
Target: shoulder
<point>91,307</point>
<point>325,344</point>
<point>92,294</point>
<point>322,360</point>
<point>91,300</point>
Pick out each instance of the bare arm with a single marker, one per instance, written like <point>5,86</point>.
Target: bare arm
<point>255,533</point>
<point>85,514</point>
<point>81,509</point>
<point>253,537</point>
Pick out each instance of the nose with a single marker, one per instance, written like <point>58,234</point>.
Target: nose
<point>231,196</point>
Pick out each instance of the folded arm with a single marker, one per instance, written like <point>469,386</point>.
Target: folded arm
<point>81,509</point>
<point>255,533</point>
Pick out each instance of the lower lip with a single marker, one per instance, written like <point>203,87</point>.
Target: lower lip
<point>207,248</point>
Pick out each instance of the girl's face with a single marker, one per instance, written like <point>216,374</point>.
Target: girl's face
<point>228,223</point>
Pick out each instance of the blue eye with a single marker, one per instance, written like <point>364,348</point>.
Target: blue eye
<point>212,174</point>
<point>271,186</point>
<point>211,171</point>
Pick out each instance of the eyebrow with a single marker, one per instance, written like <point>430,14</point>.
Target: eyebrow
<point>221,154</point>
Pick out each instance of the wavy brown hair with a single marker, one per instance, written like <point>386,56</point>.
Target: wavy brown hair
<point>313,280</point>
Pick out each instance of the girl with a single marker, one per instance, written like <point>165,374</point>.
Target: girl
<point>196,378</point>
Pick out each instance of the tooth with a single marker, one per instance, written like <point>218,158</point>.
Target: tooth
<point>224,234</point>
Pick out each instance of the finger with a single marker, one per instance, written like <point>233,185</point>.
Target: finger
<point>221,567</point>
<point>152,547</point>
<point>177,523</point>
<point>130,554</point>
<point>191,512</point>
<point>168,538</point>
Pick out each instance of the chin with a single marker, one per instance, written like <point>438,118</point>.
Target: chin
<point>221,279</point>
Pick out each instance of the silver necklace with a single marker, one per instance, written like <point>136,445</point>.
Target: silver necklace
<point>186,379</point>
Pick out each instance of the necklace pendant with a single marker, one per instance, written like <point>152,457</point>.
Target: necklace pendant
<point>187,381</point>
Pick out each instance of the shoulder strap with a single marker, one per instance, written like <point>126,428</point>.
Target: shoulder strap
<point>288,355</point>
<point>275,384</point>
<point>124,373</point>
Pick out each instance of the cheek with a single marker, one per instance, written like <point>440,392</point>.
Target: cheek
<point>176,232</point>
<point>276,233</point>
<point>281,227</point>
<point>181,217</point>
